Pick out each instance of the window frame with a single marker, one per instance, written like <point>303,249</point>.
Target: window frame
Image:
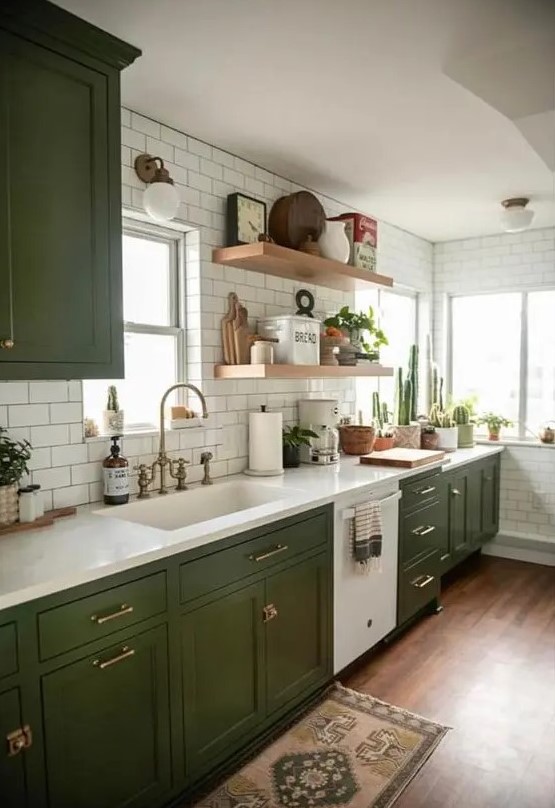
<point>523,354</point>
<point>401,291</point>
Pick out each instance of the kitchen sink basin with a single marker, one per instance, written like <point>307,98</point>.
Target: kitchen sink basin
<point>202,504</point>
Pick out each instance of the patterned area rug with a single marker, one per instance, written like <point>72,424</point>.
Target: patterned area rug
<point>351,750</point>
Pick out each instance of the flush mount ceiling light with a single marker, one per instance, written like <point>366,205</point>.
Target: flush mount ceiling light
<point>160,199</point>
<point>516,217</point>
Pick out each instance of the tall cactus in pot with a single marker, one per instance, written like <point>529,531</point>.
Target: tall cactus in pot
<point>407,435</point>
<point>461,416</point>
<point>413,377</point>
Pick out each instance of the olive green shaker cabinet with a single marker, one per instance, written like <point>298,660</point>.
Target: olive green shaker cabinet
<point>129,691</point>
<point>60,198</point>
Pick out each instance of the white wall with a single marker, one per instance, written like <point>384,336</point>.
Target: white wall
<point>50,414</point>
<point>508,262</point>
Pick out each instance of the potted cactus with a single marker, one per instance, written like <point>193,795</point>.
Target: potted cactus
<point>113,416</point>
<point>14,455</point>
<point>406,432</point>
<point>465,428</point>
<point>429,438</point>
<point>494,423</point>
<point>448,434</point>
<point>380,419</point>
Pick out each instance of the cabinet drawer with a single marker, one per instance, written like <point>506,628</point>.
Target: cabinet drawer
<point>422,532</point>
<point>8,649</point>
<point>100,615</point>
<point>418,586</point>
<point>420,492</point>
<point>227,566</point>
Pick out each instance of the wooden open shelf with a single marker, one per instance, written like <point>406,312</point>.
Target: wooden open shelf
<point>271,259</point>
<point>299,371</point>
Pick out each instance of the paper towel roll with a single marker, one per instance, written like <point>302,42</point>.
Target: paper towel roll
<point>265,444</point>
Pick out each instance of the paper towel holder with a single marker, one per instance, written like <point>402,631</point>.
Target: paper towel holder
<point>277,448</point>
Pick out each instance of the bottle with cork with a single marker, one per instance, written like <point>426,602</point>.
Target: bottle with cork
<point>116,475</point>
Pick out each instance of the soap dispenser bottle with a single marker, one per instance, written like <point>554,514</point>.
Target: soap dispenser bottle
<point>116,475</point>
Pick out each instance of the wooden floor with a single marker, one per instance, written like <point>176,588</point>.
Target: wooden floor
<point>485,666</point>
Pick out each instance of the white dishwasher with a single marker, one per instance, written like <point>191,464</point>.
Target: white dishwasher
<point>365,606</point>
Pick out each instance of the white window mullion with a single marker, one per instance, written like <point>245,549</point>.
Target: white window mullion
<point>523,388</point>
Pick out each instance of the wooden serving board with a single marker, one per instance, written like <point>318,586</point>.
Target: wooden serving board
<point>42,521</point>
<point>402,458</point>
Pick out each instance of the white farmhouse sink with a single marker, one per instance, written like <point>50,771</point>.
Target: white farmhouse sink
<point>185,508</point>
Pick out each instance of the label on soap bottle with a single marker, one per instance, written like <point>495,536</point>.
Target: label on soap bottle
<point>116,482</point>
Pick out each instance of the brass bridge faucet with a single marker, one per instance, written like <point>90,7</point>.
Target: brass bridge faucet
<point>176,468</point>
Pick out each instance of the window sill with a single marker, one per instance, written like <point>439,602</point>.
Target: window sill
<point>199,423</point>
<point>529,444</point>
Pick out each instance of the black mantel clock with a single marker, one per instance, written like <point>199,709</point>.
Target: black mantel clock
<point>245,220</point>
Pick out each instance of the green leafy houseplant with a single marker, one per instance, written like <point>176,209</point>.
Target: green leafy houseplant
<point>355,325</point>
<point>494,423</point>
<point>293,437</point>
<point>14,455</point>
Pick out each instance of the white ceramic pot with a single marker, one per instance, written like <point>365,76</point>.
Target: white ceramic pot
<point>448,438</point>
<point>334,243</point>
<point>9,505</point>
<point>406,437</point>
<point>113,422</point>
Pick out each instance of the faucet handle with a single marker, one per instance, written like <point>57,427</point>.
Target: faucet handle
<point>179,472</point>
<point>205,459</point>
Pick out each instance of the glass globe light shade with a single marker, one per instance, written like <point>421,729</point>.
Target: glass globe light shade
<point>516,218</point>
<point>161,201</point>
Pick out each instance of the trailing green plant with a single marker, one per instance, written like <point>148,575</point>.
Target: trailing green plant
<point>413,376</point>
<point>494,422</point>
<point>460,414</point>
<point>352,322</point>
<point>297,436</point>
<point>113,403</point>
<point>14,455</point>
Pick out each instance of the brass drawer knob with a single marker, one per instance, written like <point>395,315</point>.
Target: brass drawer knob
<point>19,740</point>
<point>7,344</point>
<point>270,612</point>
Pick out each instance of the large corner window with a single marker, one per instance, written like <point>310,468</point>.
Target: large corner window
<point>154,339</point>
<point>502,354</point>
<point>397,314</point>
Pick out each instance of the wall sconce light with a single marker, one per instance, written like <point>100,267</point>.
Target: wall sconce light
<point>160,199</point>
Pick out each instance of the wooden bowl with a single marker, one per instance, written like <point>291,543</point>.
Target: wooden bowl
<point>294,218</point>
<point>357,440</point>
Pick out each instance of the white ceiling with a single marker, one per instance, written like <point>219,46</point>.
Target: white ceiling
<point>411,110</point>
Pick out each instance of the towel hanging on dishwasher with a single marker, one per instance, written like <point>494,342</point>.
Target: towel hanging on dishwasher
<point>366,537</point>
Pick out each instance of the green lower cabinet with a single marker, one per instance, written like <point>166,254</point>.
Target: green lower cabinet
<point>473,507</point>
<point>456,510</point>
<point>490,499</point>
<point>106,720</point>
<point>298,649</point>
<point>12,763</point>
<point>222,647</point>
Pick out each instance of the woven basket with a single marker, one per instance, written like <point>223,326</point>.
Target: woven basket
<point>357,440</point>
<point>9,504</point>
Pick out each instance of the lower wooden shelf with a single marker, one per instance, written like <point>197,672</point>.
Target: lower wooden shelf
<point>299,371</point>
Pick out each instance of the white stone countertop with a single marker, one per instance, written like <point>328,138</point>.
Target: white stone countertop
<point>88,547</point>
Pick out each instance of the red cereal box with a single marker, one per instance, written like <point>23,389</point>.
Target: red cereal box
<point>362,232</point>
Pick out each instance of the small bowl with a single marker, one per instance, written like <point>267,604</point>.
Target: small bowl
<point>357,440</point>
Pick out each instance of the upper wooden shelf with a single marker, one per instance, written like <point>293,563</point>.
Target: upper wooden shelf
<point>300,371</point>
<point>271,259</point>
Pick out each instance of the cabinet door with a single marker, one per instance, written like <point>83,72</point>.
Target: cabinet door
<point>298,648</point>
<point>222,667</point>
<point>12,766</point>
<point>490,499</point>
<point>473,506</point>
<point>60,216</point>
<point>106,722</point>
<point>456,488</point>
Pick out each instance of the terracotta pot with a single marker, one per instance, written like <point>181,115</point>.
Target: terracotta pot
<point>407,437</point>
<point>9,505</point>
<point>493,436</point>
<point>383,444</point>
<point>357,440</point>
<point>429,440</point>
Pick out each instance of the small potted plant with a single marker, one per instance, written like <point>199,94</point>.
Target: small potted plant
<point>14,455</point>
<point>494,423</point>
<point>429,438</point>
<point>448,434</point>
<point>113,417</point>
<point>465,427</point>
<point>293,438</point>
<point>355,326</point>
<point>380,420</point>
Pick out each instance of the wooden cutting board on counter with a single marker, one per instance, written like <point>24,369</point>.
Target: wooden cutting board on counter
<point>402,458</point>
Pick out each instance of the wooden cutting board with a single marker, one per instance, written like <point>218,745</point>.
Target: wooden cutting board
<point>402,458</point>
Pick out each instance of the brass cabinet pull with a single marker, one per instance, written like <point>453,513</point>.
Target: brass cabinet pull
<point>427,490</point>
<point>455,492</point>
<point>126,652</point>
<point>279,548</point>
<point>7,344</point>
<point>19,740</point>
<point>423,530</point>
<point>423,581</point>
<point>270,612</point>
<point>123,610</point>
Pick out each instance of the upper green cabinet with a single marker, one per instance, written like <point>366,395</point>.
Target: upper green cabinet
<point>60,198</point>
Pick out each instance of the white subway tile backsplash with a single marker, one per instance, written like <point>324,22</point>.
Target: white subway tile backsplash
<point>69,455</point>
<point>86,473</point>
<point>47,392</point>
<point>52,435</point>
<point>52,478</point>
<point>28,414</point>
<point>71,496</point>
<point>66,413</point>
<point>14,392</point>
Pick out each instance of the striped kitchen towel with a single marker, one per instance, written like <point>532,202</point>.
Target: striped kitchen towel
<point>366,537</point>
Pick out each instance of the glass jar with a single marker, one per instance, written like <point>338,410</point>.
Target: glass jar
<point>27,505</point>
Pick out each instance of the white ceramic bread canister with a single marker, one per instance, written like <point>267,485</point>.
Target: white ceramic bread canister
<point>265,443</point>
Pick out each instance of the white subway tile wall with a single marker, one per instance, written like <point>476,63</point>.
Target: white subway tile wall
<point>50,414</point>
<point>504,263</point>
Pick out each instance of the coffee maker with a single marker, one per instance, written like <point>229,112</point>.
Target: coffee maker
<point>321,415</point>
